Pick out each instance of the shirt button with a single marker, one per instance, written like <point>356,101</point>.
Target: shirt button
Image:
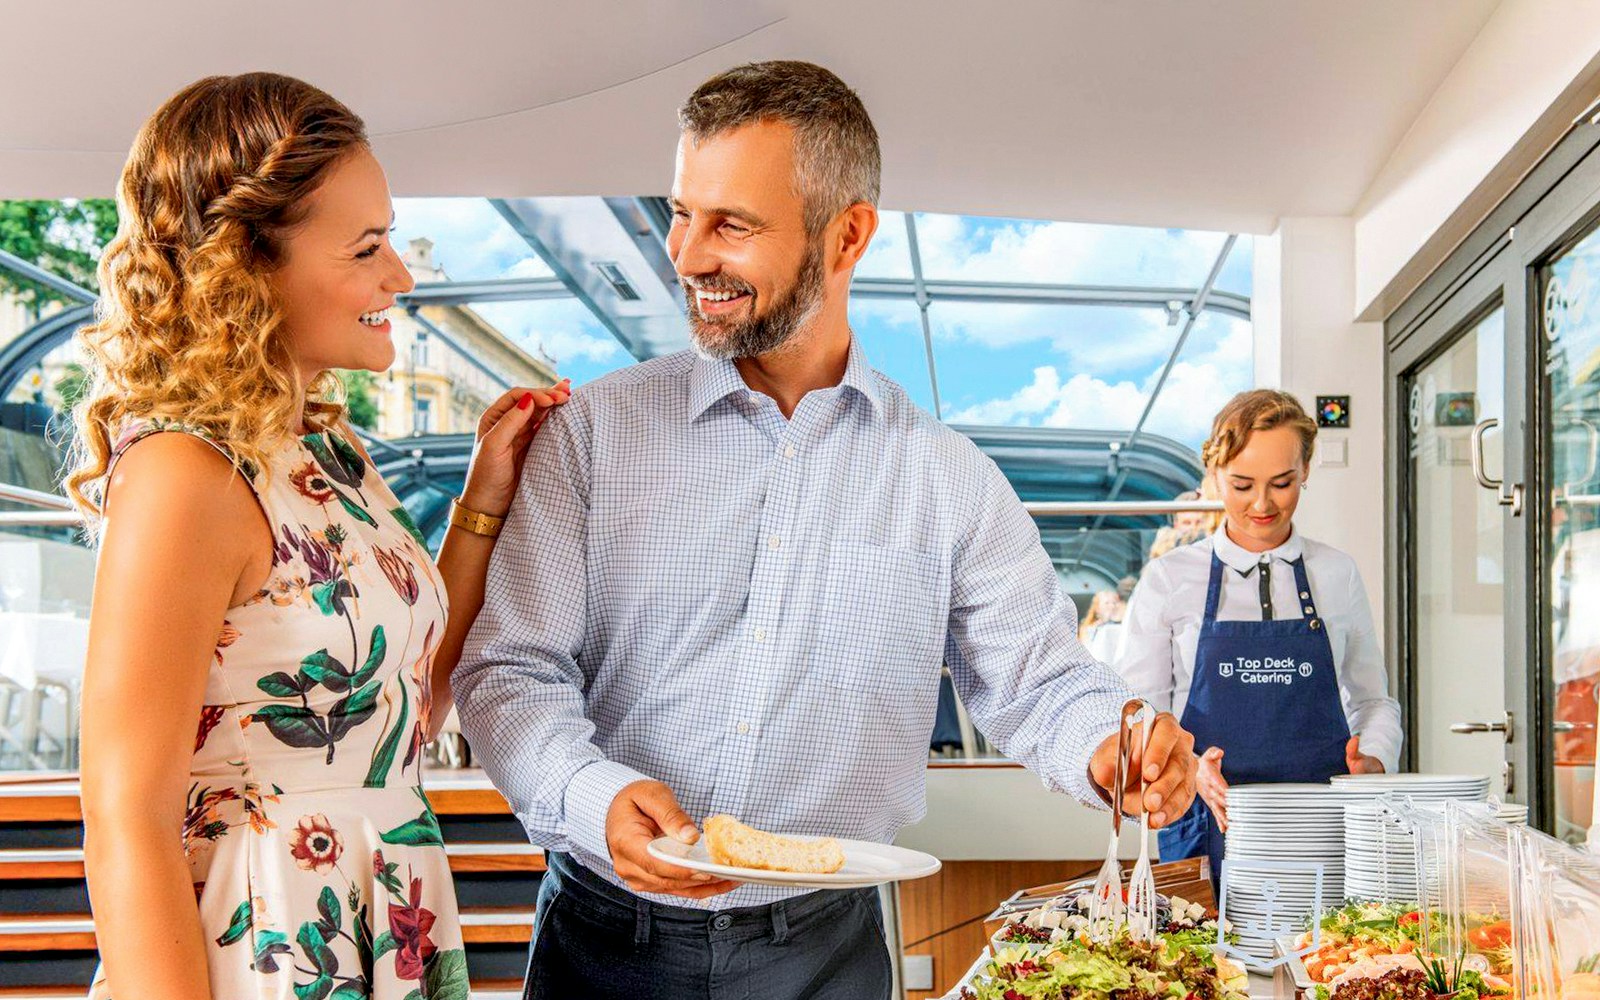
<point>1305,596</point>
<point>789,452</point>
<point>755,397</point>
<point>721,922</point>
<point>774,542</point>
<point>761,635</point>
<point>743,728</point>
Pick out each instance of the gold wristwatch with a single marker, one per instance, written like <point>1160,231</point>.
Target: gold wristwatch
<point>478,523</point>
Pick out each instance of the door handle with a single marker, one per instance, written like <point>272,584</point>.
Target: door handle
<point>1507,497</point>
<point>1466,728</point>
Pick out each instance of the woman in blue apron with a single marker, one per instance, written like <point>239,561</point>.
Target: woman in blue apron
<point>1261,640</point>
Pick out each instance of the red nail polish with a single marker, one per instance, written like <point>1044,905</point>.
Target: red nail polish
<point>526,401</point>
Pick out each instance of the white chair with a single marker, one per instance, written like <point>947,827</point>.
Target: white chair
<point>41,663</point>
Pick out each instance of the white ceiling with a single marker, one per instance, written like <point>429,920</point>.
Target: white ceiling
<point>1217,115</point>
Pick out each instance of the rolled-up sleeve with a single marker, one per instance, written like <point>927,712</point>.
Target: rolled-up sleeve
<point>1145,649</point>
<point>1364,683</point>
<point>520,684</point>
<point>1013,650</point>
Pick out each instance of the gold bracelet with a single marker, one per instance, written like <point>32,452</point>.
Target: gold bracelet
<point>474,521</point>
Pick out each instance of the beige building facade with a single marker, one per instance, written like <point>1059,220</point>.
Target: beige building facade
<point>438,384</point>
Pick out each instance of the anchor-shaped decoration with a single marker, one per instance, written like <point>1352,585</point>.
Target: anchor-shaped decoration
<point>1268,926</point>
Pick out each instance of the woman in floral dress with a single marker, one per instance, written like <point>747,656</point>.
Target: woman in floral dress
<point>269,633</point>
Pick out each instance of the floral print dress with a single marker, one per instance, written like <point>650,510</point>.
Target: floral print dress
<point>319,868</point>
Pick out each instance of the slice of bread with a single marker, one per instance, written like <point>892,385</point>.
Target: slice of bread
<point>730,842</point>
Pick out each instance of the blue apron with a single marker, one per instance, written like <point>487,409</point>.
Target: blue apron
<point>1266,693</point>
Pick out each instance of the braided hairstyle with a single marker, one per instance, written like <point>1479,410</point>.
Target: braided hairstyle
<point>188,327</point>
<point>1256,410</point>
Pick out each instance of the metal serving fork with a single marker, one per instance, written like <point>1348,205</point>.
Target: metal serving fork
<point>1142,884</point>
<point>1106,910</point>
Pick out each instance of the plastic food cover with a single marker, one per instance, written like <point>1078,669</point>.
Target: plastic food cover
<point>1559,918</point>
<point>1479,889</point>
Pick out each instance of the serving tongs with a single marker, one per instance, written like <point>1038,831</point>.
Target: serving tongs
<point>1142,884</point>
<point>1106,910</point>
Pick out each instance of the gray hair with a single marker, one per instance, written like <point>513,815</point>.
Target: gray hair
<point>835,146</point>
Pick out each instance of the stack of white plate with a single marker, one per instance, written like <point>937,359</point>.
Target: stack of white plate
<point>1380,855</point>
<point>1270,825</point>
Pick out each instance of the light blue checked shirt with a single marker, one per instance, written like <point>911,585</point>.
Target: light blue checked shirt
<point>754,610</point>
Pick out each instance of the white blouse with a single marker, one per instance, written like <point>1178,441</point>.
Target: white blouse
<point>1161,630</point>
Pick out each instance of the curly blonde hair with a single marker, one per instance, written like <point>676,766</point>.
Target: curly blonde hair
<point>188,327</point>
<point>1256,410</point>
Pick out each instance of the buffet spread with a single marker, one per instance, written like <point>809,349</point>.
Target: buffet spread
<point>1437,892</point>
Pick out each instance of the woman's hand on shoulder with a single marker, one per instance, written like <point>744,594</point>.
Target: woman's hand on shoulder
<point>504,433</point>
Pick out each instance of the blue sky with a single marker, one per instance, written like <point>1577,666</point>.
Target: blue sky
<point>1035,365</point>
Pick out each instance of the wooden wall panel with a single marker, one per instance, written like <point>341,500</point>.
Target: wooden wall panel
<point>943,915</point>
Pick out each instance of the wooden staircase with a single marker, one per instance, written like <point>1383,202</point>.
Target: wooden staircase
<point>47,941</point>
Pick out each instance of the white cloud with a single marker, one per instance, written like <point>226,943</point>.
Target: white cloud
<point>562,328</point>
<point>569,344</point>
<point>1194,391</point>
<point>1117,342</point>
<point>528,267</point>
<point>470,239</point>
<point>1063,252</point>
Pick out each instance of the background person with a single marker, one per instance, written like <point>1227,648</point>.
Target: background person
<point>1261,639</point>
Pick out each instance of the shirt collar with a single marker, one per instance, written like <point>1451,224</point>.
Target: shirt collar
<point>1236,556</point>
<point>712,381</point>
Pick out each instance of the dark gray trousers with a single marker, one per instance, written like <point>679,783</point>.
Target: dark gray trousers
<point>595,941</point>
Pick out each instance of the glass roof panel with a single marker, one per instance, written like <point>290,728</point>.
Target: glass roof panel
<point>471,241</point>
<point>888,255</point>
<point>563,330</point>
<point>1238,274</point>
<point>890,332</point>
<point>1088,367</point>
<point>977,248</point>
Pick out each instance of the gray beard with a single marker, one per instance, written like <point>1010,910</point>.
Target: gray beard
<point>758,335</point>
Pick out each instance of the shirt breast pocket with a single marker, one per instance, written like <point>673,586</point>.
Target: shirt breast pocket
<point>890,611</point>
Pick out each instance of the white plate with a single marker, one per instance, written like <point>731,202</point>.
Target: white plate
<point>865,863</point>
<point>1411,778</point>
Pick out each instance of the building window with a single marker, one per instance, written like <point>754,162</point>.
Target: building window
<point>424,421</point>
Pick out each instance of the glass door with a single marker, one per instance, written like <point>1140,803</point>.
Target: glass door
<point>1455,403</point>
<point>1515,306</point>
<point>1570,491</point>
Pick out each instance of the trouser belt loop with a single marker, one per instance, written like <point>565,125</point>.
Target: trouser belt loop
<point>641,922</point>
<point>780,922</point>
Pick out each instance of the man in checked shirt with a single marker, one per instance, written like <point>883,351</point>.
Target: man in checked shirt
<point>730,580</point>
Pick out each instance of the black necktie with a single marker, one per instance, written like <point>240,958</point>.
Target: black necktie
<point>1266,591</point>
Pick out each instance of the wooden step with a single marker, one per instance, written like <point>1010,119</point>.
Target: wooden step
<point>63,932</point>
<point>495,857</point>
<point>35,863</point>
<point>497,925</point>
<point>45,863</point>
<point>57,801</point>
<point>75,931</point>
